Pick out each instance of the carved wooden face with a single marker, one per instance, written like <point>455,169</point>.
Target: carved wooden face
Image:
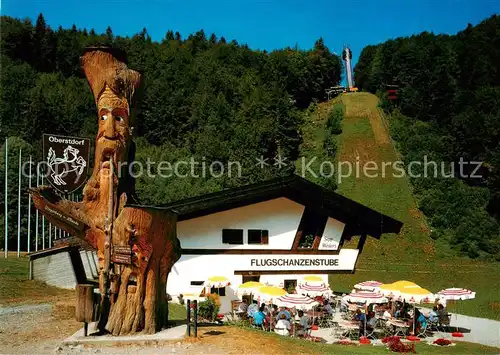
<point>114,132</point>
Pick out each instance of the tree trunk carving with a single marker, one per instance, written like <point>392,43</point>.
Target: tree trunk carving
<point>134,291</point>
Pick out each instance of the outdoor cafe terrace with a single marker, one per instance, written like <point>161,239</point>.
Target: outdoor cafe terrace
<point>395,314</point>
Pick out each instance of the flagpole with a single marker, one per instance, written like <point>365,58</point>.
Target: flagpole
<point>43,223</point>
<point>36,212</point>
<point>6,204</point>
<point>19,207</point>
<point>29,211</point>
<point>50,234</point>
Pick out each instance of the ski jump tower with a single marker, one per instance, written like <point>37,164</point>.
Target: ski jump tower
<point>347,56</point>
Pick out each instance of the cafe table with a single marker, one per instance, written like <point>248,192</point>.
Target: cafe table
<point>400,327</point>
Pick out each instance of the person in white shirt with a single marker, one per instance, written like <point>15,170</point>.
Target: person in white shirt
<point>344,305</point>
<point>283,326</point>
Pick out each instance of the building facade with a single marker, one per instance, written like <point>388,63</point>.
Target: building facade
<point>274,232</point>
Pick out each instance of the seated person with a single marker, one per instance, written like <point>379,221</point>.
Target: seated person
<point>442,315</point>
<point>372,321</point>
<point>327,308</point>
<point>432,315</point>
<point>265,308</point>
<point>420,321</point>
<point>387,312</point>
<point>283,326</point>
<point>402,312</point>
<point>303,325</point>
<point>243,307</point>
<point>344,305</point>
<point>254,307</point>
<point>284,311</point>
<point>259,317</point>
<point>361,318</point>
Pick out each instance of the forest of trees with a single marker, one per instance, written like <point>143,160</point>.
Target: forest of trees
<point>205,98</point>
<point>448,109</point>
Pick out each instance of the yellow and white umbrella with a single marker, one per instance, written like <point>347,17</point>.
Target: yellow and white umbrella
<point>394,289</point>
<point>248,288</point>
<point>312,280</point>
<point>416,295</point>
<point>217,281</point>
<point>268,294</point>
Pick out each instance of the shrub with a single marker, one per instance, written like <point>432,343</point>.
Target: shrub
<point>442,342</point>
<point>395,345</point>
<point>209,308</point>
<point>334,121</point>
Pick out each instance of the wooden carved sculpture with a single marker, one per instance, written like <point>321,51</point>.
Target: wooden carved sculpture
<point>136,246</point>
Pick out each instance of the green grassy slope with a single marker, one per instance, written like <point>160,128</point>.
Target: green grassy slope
<point>411,255</point>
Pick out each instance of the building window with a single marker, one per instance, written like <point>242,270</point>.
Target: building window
<point>258,236</point>
<point>197,283</point>
<point>232,236</point>
<point>221,291</point>
<point>290,285</point>
<point>247,278</point>
<point>311,225</point>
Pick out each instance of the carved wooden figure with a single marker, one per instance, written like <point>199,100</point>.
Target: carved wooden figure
<point>136,246</point>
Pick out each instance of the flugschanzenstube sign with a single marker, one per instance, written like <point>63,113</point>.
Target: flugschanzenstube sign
<point>345,260</point>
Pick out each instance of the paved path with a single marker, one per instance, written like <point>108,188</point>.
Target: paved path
<point>25,308</point>
<point>482,331</point>
<point>174,333</point>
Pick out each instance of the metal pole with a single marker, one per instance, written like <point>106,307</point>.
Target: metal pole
<point>29,211</point>
<point>36,212</point>
<point>188,316</point>
<point>6,204</point>
<point>195,316</point>
<point>19,207</point>
<point>43,233</point>
<point>43,223</point>
<point>50,235</point>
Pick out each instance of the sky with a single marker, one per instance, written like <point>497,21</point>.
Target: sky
<point>264,24</point>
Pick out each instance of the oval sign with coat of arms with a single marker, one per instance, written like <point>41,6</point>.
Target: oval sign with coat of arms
<point>66,161</point>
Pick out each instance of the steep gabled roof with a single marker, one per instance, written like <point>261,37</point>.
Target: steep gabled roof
<point>357,217</point>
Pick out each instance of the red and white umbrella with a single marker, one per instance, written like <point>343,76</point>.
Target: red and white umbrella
<point>368,285</point>
<point>313,290</point>
<point>366,297</point>
<point>296,301</point>
<point>456,294</point>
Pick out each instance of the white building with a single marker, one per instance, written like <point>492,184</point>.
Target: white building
<point>258,233</point>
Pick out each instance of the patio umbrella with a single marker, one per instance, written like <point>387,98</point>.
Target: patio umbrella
<point>248,288</point>
<point>366,297</point>
<point>313,290</point>
<point>368,285</point>
<point>296,301</point>
<point>217,281</point>
<point>456,294</point>
<point>393,289</point>
<point>268,294</point>
<point>312,280</point>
